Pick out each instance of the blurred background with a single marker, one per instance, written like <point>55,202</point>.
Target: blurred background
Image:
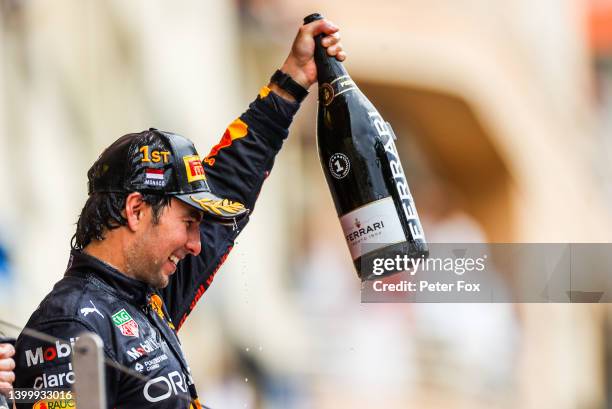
<point>503,111</point>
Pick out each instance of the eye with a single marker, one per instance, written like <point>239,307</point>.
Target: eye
<point>191,223</point>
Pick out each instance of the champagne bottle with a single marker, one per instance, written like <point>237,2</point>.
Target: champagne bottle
<point>363,171</point>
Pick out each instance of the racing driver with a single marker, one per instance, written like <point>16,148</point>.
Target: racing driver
<point>157,225</point>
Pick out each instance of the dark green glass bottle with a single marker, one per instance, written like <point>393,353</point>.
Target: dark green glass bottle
<point>363,170</point>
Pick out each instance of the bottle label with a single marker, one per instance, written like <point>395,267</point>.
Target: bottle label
<point>399,179</point>
<point>375,224</point>
<point>337,87</point>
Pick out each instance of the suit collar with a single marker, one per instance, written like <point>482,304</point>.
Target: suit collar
<point>132,290</point>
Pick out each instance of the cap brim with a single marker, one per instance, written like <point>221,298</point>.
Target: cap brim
<point>221,210</point>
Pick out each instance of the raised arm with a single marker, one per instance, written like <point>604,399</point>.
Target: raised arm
<point>238,165</point>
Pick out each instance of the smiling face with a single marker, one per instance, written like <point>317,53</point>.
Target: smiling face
<point>158,247</point>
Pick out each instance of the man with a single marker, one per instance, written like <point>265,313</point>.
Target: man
<point>152,236</point>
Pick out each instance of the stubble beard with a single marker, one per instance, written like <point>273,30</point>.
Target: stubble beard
<point>144,266</point>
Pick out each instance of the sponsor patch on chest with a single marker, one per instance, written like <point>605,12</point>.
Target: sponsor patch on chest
<point>125,323</point>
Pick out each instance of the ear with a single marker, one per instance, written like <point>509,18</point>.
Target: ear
<point>135,210</point>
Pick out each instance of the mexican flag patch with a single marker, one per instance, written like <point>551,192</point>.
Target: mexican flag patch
<point>125,323</point>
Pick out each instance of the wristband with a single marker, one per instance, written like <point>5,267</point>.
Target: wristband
<point>288,84</point>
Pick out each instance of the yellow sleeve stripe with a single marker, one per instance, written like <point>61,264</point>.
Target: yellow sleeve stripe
<point>264,91</point>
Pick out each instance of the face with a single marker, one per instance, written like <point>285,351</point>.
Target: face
<point>153,256</point>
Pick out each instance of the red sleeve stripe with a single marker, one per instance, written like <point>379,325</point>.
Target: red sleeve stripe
<point>202,288</point>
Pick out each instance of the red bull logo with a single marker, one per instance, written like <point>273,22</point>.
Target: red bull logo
<point>236,130</point>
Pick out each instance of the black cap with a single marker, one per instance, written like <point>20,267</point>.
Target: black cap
<point>313,17</point>
<point>160,162</point>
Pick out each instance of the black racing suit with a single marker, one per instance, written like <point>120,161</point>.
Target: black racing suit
<point>137,323</point>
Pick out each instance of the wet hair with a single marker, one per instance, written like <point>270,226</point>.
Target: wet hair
<point>102,212</point>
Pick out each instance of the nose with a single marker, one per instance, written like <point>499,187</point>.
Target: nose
<point>194,245</point>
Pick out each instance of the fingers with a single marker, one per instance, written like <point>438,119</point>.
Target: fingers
<point>5,387</point>
<point>334,46</point>
<point>330,39</point>
<point>7,364</point>
<point>7,376</point>
<point>6,351</point>
<point>319,26</point>
<point>334,49</point>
